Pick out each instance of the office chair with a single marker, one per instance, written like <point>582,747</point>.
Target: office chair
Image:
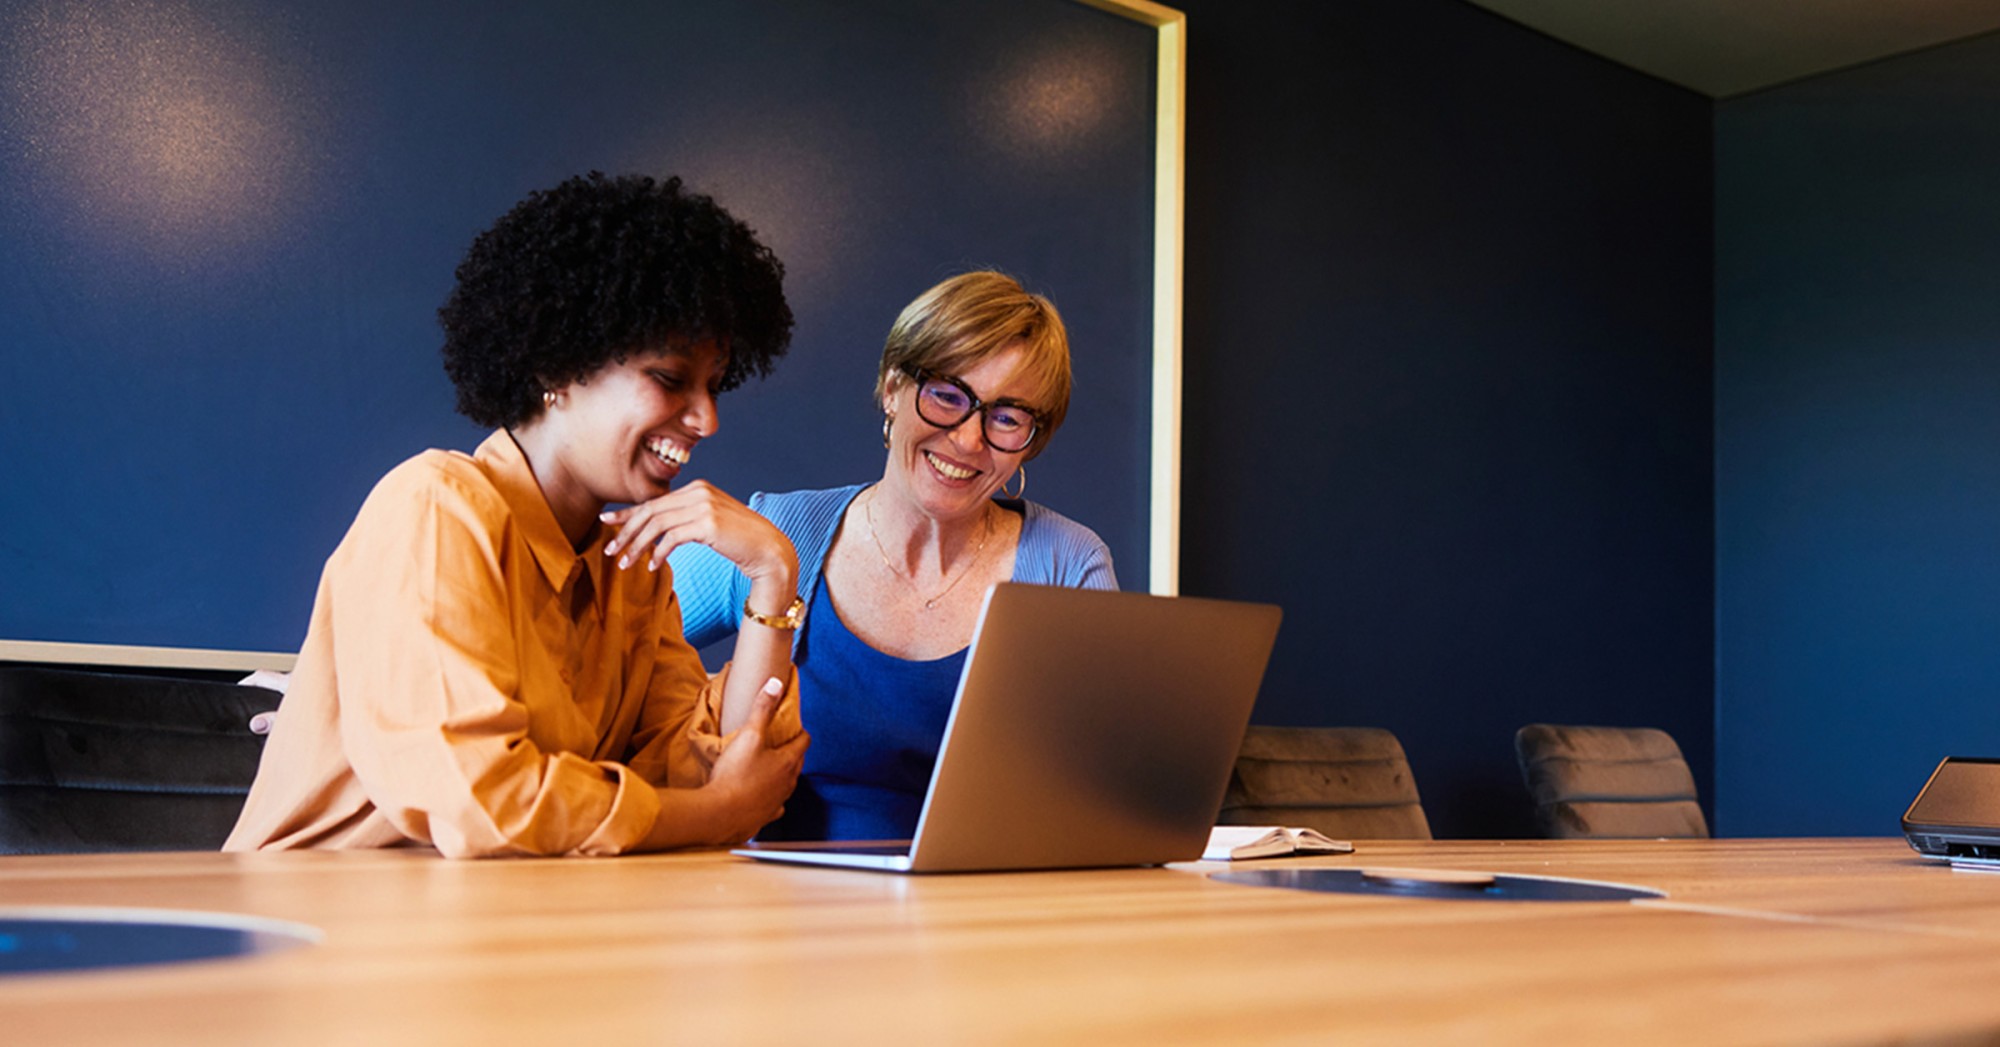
<point>108,762</point>
<point>1351,783</point>
<point>1608,783</point>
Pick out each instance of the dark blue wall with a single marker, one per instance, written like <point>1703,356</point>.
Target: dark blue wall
<point>225,226</point>
<point>1451,296</point>
<point>1857,439</point>
<point>1448,400</point>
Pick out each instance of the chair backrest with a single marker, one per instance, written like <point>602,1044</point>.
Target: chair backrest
<point>1351,783</point>
<point>107,762</point>
<point>1608,782</point>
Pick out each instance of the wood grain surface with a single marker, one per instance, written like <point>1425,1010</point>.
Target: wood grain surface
<point>1757,941</point>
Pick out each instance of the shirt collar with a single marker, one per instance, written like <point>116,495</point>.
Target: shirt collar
<point>508,466</point>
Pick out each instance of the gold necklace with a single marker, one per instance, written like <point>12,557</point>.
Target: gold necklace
<point>868,510</point>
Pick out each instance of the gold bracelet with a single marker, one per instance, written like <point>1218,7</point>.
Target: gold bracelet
<point>794,616</point>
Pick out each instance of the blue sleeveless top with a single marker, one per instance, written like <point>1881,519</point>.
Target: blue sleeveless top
<point>876,723</point>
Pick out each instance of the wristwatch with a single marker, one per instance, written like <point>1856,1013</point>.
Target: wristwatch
<point>793,616</point>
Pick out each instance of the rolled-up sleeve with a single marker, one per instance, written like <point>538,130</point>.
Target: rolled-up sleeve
<point>690,757</point>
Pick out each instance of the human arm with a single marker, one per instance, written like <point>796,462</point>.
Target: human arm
<point>1093,571</point>
<point>1057,550</point>
<point>711,592</point>
<point>745,790</point>
<point>705,515</point>
<point>677,740</point>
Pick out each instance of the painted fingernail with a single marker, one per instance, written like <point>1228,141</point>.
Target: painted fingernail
<point>624,562</point>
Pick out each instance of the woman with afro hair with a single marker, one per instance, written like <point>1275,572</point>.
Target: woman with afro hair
<point>495,663</point>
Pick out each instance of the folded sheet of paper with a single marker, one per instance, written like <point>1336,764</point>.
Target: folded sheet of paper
<point>1236,842</point>
<point>267,678</point>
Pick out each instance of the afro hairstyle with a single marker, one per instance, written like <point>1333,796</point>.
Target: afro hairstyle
<point>594,270</point>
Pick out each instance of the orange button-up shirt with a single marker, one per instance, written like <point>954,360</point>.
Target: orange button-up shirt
<point>472,682</point>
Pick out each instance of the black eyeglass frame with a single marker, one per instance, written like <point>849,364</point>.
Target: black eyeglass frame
<point>921,375</point>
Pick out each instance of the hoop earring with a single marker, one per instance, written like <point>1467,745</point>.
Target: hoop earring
<point>887,421</point>
<point>548,399</point>
<point>1023,475</point>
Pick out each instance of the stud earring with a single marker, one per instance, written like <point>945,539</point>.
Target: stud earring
<point>1023,477</point>
<point>548,399</point>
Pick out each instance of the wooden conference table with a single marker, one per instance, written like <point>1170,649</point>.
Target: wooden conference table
<point>1758,941</point>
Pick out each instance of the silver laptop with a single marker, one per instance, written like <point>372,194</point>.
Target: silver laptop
<point>1091,728</point>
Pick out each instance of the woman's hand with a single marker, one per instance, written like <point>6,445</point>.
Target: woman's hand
<point>706,515</point>
<point>746,788</point>
<point>752,778</point>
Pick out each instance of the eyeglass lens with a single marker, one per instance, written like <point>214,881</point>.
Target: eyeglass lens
<point>945,405</point>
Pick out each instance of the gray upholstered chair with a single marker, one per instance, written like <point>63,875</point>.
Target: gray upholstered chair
<point>1351,783</point>
<point>1608,783</point>
<point>108,762</point>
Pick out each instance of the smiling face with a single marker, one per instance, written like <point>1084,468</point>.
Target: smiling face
<point>623,434</point>
<point>949,474</point>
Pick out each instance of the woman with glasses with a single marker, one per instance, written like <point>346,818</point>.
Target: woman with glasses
<point>974,380</point>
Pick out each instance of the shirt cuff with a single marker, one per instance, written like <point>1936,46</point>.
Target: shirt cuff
<point>634,809</point>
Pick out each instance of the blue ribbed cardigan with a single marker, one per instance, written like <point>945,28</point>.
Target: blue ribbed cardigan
<point>1053,550</point>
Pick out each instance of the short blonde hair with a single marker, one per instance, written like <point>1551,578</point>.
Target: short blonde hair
<point>957,324</point>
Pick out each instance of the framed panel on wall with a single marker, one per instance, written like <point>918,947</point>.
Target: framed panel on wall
<point>228,224</point>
